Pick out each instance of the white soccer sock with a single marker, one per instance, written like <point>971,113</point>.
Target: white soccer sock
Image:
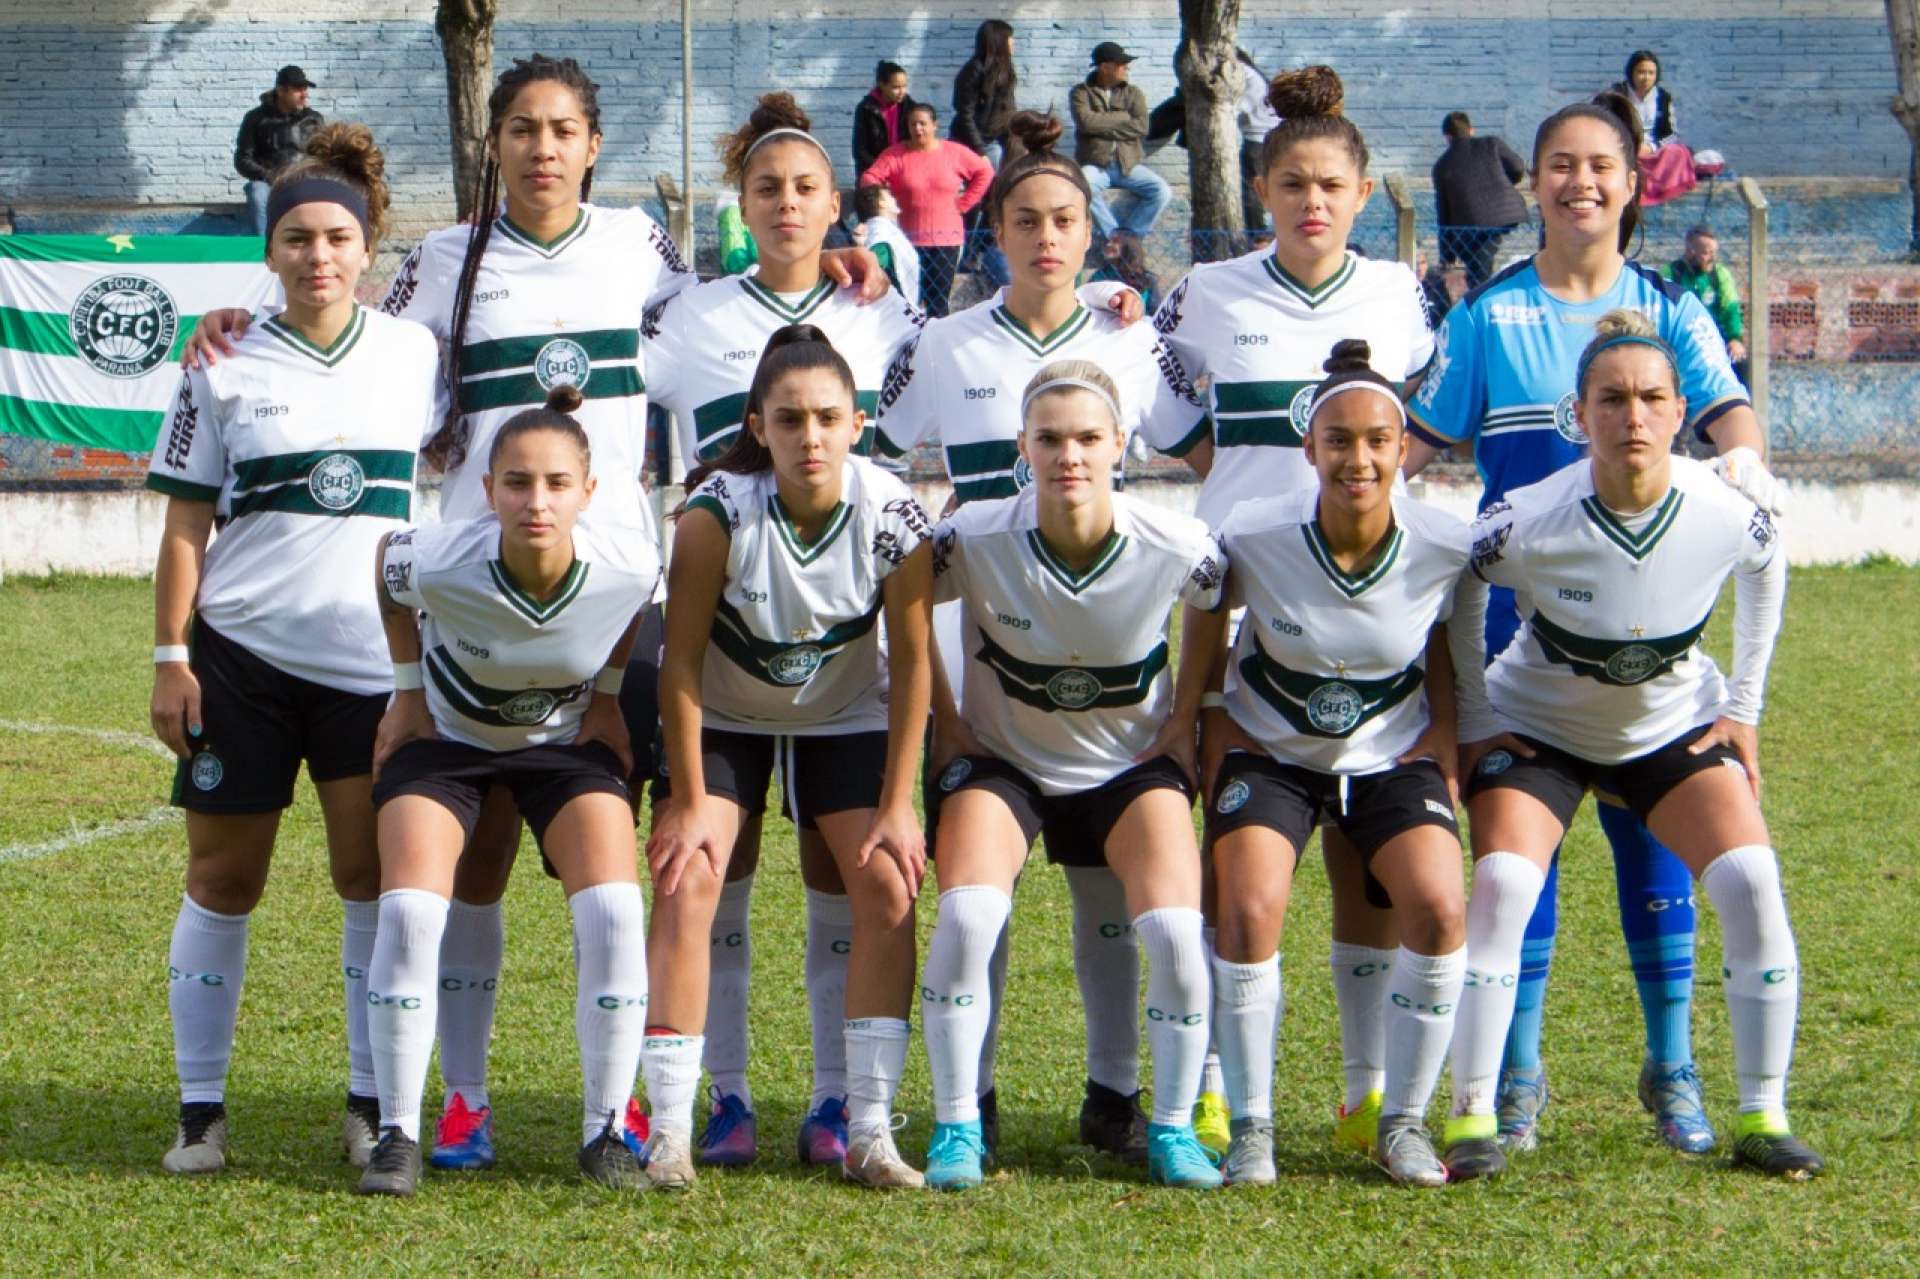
<point>1762,977</point>
<point>955,996</point>
<point>357,929</point>
<point>997,988</point>
<point>671,1065</point>
<point>610,1004</point>
<point>471,953</point>
<point>1106,961</point>
<point>876,1058</point>
<point>731,960</point>
<point>829,942</point>
<point>1178,993</point>
<point>1505,888</point>
<point>206,966</point>
<point>401,999</point>
<point>1360,976</point>
<point>1212,1078</point>
<point>1248,1000</point>
<point>1422,997</point>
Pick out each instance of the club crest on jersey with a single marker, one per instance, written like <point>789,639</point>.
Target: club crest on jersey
<point>1334,707</point>
<point>124,325</point>
<point>1233,798</point>
<point>562,360</point>
<point>1565,423</point>
<point>1299,406</point>
<point>1633,663</point>
<point>530,707</point>
<point>336,481</point>
<point>796,665</point>
<point>1494,763</point>
<point>1022,473</point>
<point>955,773</point>
<point>1073,689</point>
<point>207,771</point>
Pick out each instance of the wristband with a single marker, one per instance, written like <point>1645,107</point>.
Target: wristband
<point>163,653</point>
<point>406,677</point>
<point>1213,701</point>
<point>609,680</point>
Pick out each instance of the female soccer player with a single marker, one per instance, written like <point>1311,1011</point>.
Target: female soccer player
<point>1502,381</point>
<point>512,679</point>
<point>789,551</point>
<point>1616,564</point>
<point>1259,326</point>
<point>266,654</point>
<point>1339,697</point>
<point>1066,724</point>
<point>960,384</point>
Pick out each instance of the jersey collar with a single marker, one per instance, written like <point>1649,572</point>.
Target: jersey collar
<point>545,248</point>
<point>1312,298</point>
<point>791,313</point>
<point>532,609</point>
<point>1069,329</point>
<point>1638,545</point>
<point>1058,569</point>
<point>806,553</point>
<point>1349,584</point>
<point>327,355</point>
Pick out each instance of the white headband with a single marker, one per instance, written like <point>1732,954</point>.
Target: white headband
<point>770,135</point>
<point>1076,382</point>
<point>1357,384</point>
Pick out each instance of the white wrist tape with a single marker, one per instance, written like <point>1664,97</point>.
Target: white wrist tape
<point>169,653</point>
<point>407,677</point>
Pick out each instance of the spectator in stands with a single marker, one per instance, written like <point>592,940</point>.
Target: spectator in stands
<point>1666,165</point>
<point>1256,120</point>
<point>1475,196</point>
<point>1126,263</point>
<point>879,120</point>
<point>983,103</point>
<point>272,136</point>
<point>1701,272</point>
<point>935,180</point>
<point>879,231</point>
<point>1110,123</point>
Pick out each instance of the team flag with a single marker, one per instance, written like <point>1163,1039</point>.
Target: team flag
<point>91,328</point>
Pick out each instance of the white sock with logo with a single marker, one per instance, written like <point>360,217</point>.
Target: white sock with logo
<point>731,960</point>
<point>206,967</point>
<point>956,996</point>
<point>1506,886</point>
<point>1178,993</point>
<point>359,924</point>
<point>671,1065</point>
<point>1247,1003</point>
<point>1106,962</point>
<point>876,1058</point>
<point>1360,976</point>
<point>401,999</point>
<point>1762,972</point>
<point>1422,997</point>
<point>610,1003</point>
<point>829,942</point>
<point>472,953</point>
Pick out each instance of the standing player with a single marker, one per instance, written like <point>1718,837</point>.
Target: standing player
<point>1258,326</point>
<point>960,384</point>
<point>266,652</point>
<point>509,638</point>
<point>1066,724</point>
<point>1339,697</point>
<point>1502,380</point>
<point>1616,565</point>
<point>788,553</point>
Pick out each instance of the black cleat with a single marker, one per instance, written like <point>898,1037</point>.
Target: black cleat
<point>200,1142</point>
<point>1113,1123</point>
<point>1778,1154</point>
<point>394,1168</point>
<point>607,1160</point>
<point>989,1124</point>
<point>1472,1157</point>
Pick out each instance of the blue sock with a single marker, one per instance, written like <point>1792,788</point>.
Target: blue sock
<point>1536,956</point>
<point>1656,917</point>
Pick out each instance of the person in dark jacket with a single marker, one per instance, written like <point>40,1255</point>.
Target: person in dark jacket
<point>881,118</point>
<point>1109,131</point>
<point>272,136</point>
<point>983,104</point>
<point>1475,195</point>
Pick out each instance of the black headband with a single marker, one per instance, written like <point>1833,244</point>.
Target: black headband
<point>317,190</point>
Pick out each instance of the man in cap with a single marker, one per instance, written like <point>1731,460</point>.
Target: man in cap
<point>272,136</point>
<point>1110,125</point>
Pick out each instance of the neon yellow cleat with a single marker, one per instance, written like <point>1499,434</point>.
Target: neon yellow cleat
<point>1212,1122</point>
<point>1357,1128</point>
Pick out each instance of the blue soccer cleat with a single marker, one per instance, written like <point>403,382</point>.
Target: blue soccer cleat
<point>953,1156</point>
<point>1176,1158</point>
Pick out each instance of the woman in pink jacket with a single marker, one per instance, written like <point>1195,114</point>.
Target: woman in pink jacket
<point>935,181</point>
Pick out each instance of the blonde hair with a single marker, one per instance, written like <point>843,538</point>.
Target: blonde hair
<point>1623,327</point>
<point>1064,376</point>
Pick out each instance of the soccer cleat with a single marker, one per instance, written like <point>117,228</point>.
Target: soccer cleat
<point>1112,1122</point>
<point>607,1160</point>
<point>730,1139</point>
<point>953,1156</point>
<point>394,1168</point>
<point>634,1131</point>
<point>873,1160</point>
<point>463,1139</point>
<point>1673,1098</point>
<point>989,1124</point>
<point>1406,1152</point>
<point>1763,1143</point>
<point>200,1142</point>
<point>1472,1150</point>
<point>1176,1158</point>
<point>1357,1129</point>
<point>1522,1098</point>
<point>669,1160</point>
<point>823,1133</point>
<point>360,1128</point>
<point>1249,1160</point>
<point>1212,1122</point>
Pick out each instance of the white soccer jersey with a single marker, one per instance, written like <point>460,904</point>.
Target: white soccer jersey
<point>1607,663</point>
<point>960,385</point>
<point>1262,338</point>
<point>703,348</point>
<point>565,311</point>
<point>796,634</point>
<point>504,670</point>
<point>1329,669</point>
<point>1066,675</point>
<point>287,441</point>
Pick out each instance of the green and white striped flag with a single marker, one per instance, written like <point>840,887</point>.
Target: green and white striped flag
<point>91,328</point>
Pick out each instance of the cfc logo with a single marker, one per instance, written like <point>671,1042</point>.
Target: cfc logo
<point>1073,689</point>
<point>207,771</point>
<point>336,482</point>
<point>1334,708</point>
<point>796,665</point>
<point>1565,422</point>
<point>562,360</point>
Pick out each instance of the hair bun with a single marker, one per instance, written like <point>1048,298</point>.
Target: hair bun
<point>1624,322</point>
<point>788,335</point>
<point>1037,132</point>
<point>349,148</point>
<point>1308,91</point>
<point>565,398</point>
<point>778,111</point>
<point>1349,355</point>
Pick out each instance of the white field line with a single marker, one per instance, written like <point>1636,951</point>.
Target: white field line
<point>80,837</point>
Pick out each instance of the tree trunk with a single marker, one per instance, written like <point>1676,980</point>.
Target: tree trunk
<point>1210,82</point>
<point>465,28</point>
<point>1903,20</point>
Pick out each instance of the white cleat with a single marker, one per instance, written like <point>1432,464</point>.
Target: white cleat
<point>873,1160</point>
<point>200,1142</point>
<point>1249,1160</point>
<point>1406,1152</point>
<point>669,1160</point>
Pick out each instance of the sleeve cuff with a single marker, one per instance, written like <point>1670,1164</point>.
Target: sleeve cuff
<point>1191,440</point>
<point>1427,434</point>
<point>1714,412</point>
<point>710,504</point>
<point>173,487</point>
<point>882,444</point>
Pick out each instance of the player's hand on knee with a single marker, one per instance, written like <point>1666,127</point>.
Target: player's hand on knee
<point>217,334</point>
<point>1742,739</point>
<point>896,832</point>
<point>176,707</point>
<point>680,836</point>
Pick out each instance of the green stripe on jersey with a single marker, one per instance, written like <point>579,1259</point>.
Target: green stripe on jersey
<point>515,389</point>
<point>498,707</point>
<point>500,354</point>
<point>297,499</point>
<point>279,468</point>
<point>1615,661</point>
<point>1072,688</point>
<point>1638,545</point>
<point>967,460</point>
<point>1330,706</point>
<point>783,665</point>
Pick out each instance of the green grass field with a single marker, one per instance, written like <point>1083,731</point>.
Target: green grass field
<point>87,1092</point>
